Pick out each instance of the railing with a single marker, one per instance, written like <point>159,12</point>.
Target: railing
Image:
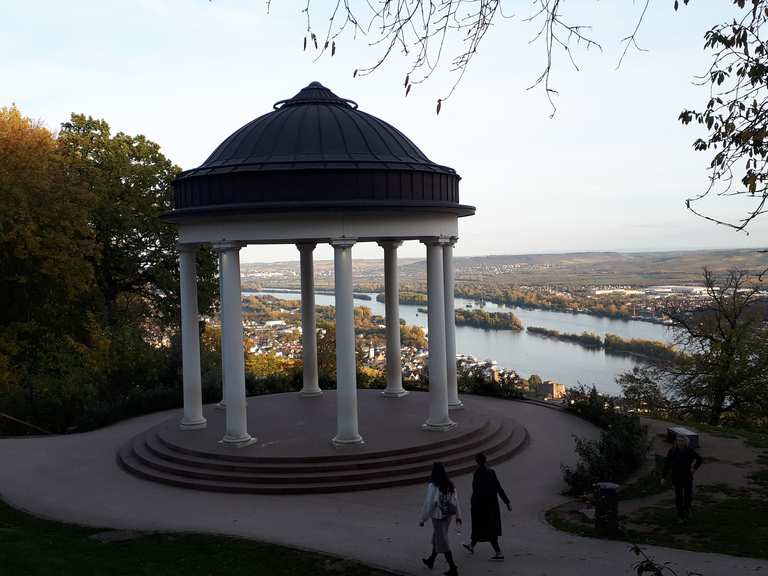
<point>23,423</point>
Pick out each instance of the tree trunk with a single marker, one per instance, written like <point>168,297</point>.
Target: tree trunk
<point>717,409</point>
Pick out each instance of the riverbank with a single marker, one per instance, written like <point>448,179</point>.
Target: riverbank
<point>612,344</point>
<point>297,291</point>
<point>488,320</point>
<point>526,354</point>
<point>416,297</point>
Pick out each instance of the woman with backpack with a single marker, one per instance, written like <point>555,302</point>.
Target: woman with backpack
<point>441,505</point>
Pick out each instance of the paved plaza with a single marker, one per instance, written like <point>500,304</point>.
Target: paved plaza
<point>76,479</point>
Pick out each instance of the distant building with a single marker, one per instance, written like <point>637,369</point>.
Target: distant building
<point>678,289</point>
<point>551,390</point>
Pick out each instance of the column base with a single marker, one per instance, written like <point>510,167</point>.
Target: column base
<point>457,405</point>
<point>444,427</point>
<point>223,405</point>
<point>311,393</point>
<point>338,443</point>
<point>193,424</point>
<point>237,442</point>
<point>395,393</point>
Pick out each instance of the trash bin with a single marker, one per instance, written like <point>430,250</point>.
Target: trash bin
<point>606,509</point>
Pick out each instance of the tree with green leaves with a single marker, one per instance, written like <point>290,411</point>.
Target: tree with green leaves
<point>726,365</point>
<point>642,392</point>
<point>130,181</point>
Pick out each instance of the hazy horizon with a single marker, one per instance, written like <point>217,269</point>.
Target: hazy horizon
<point>613,168</point>
<point>520,254</point>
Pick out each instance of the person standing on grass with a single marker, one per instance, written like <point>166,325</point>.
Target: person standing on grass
<point>441,505</point>
<point>682,461</point>
<point>486,518</point>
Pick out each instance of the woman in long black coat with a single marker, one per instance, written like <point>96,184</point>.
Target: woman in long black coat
<point>486,517</point>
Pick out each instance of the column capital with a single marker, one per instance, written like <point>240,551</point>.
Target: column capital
<point>390,243</point>
<point>448,240</point>
<point>184,247</point>
<point>432,241</point>
<point>343,242</point>
<point>226,246</point>
<point>306,246</point>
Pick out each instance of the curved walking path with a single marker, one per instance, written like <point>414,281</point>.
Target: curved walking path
<point>76,479</point>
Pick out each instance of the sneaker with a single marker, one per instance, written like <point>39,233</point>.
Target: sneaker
<point>469,548</point>
<point>498,557</point>
<point>428,562</point>
<point>453,571</point>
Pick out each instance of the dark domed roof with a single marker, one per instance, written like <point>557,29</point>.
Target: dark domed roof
<point>316,151</point>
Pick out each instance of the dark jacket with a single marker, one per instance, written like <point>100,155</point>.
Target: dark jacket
<point>680,461</point>
<point>486,518</point>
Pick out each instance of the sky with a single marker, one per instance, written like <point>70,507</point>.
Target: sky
<point>610,171</point>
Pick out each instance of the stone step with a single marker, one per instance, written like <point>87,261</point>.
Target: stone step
<point>128,460</point>
<point>341,456</point>
<point>469,442</point>
<point>259,476</point>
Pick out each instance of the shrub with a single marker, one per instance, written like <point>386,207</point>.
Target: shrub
<point>473,381</point>
<point>619,452</point>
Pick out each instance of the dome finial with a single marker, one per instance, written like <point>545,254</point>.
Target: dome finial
<point>315,93</point>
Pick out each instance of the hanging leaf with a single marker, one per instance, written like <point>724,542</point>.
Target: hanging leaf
<point>406,80</point>
<point>333,48</point>
<point>439,104</point>
<point>326,45</point>
<point>354,74</point>
<point>305,43</point>
<point>408,89</point>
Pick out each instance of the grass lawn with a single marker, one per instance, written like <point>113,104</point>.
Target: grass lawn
<point>722,520</point>
<point>725,519</point>
<point>646,485</point>
<point>31,546</point>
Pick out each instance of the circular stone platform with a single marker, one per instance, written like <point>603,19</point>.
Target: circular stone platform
<point>294,453</point>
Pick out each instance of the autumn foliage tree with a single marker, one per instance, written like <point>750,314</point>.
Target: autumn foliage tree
<point>46,272</point>
<point>88,274</point>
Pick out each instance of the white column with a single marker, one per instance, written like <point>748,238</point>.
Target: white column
<point>232,349</point>
<point>308,330</point>
<point>450,324</point>
<point>346,379</point>
<point>190,340</point>
<point>392,314</point>
<point>438,390</point>
<point>221,404</point>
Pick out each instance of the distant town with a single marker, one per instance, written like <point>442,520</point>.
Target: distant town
<point>273,325</point>
<point>272,331</point>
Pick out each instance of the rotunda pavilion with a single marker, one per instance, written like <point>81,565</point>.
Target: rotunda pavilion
<point>314,170</point>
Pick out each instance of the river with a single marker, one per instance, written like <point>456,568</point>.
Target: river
<point>564,362</point>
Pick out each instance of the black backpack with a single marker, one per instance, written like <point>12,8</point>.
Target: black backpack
<point>446,504</point>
